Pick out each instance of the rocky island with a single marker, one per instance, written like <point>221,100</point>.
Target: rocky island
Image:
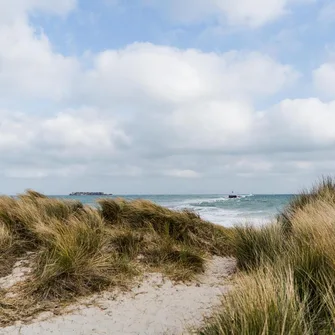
<point>88,193</point>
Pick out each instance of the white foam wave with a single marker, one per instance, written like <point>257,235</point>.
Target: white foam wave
<point>204,200</point>
<point>227,217</point>
<point>224,211</point>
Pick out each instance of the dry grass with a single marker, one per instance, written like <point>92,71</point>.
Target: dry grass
<point>80,250</point>
<point>253,246</point>
<point>178,261</point>
<point>7,250</point>
<point>173,242</point>
<point>184,226</point>
<point>6,238</point>
<point>323,191</point>
<point>264,302</point>
<point>298,257</point>
<point>76,258</point>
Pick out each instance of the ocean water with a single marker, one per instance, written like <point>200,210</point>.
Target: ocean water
<point>219,209</point>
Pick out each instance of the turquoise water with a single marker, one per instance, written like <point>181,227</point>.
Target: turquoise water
<point>215,208</point>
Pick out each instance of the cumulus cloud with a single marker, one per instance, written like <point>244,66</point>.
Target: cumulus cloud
<point>161,73</point>
<point>211,125</point>
<point>308,121</point>
<point>151,102</point>
<point>29,68</point>
<point>59,144</point>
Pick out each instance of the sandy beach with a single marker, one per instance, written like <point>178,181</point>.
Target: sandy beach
<point>154,305</point>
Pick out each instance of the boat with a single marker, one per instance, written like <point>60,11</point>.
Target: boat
<point>233,196</point>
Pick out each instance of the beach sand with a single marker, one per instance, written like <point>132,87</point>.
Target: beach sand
<point>154,305</point>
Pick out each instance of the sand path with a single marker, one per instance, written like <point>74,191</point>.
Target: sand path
<point>154,306</point>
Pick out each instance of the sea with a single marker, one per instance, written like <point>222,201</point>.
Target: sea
<point>217,208</point>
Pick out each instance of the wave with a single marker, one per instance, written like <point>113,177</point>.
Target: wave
<point>230,217</point>
<point>228,212</point>
<point>213,202</point>
<point>207,202</point>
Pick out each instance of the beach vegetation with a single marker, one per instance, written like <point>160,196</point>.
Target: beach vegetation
<point>75,250</point>
<point>286,283</point>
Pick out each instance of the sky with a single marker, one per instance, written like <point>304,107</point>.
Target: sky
<point>166,96</point>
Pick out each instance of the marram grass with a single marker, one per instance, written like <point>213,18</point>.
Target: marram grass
<point>286,283</point>
<point>76,250</point>
<point>289,283</point>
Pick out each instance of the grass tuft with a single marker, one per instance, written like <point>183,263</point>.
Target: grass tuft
<point>7,250</point>
<point>264,302</point>
<point>184,226</point>
<point>126,242</point>
<point>290,283</point>
<point>76,258</point>
<point>178,261</point>
<point>323,191</point>
<point>255,245</point>
<point>76,250</point>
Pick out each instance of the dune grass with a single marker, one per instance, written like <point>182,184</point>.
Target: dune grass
<point>323,190</point>
<point>264,302</point>
<point>286,284</point>
<point>7,250</point>
<point>77,250</point>
<point>253,246</point>
<point>184,226</point>
<point>76,258</point>
<point>289,283</point>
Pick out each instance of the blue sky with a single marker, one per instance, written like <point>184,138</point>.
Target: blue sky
<point>302,37</point>
<point>149,96</point>
<point>99,25</point>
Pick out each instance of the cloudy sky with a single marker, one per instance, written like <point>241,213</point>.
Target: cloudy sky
<point>166,96</point>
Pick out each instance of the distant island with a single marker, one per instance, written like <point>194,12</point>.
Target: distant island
<point>89,193</point>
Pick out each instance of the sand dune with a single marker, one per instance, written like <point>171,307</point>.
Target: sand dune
<point>155,305</point>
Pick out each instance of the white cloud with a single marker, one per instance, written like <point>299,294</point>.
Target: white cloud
<point>211,125</point>
<point>253,165</point>
<point>152,101</point>
<point>182,173</point>
<point>13,9</point>
<point>70,136</point>
<point>154,110</point>
<point>324,78</point>
<point>22,172</point>
<point>160,73</point>
<point>77,134</point>
<point>59,7</point>
<point>252,13</point>
<point>28,66</point>
<point>224,127</point>
<point>301,125</point>
<point>309,118</point>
